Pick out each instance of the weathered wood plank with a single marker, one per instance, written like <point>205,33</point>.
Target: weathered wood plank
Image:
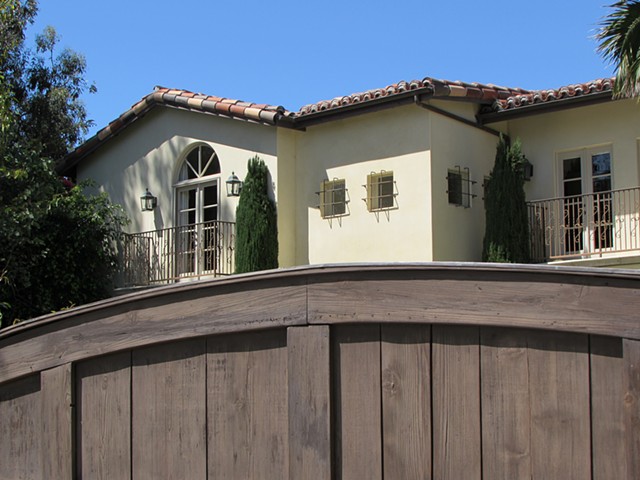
<point>631,349</point>
<point>175,316</point>
<point>560,302</point>
<point>20,445</point>
<point>406,401</point>
<point>169,411</point>
<point>103,413</point>
<point>248,405</point>
<point>309,402</point>
<point>607,409</point>
<point>530,297</point>
<point>506,421</point>
<point>456,403</point>
<point>57,422</point>
<point>560,411</point>
<point>357,415</point>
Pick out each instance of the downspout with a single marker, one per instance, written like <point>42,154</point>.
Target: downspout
<point>417,100</point>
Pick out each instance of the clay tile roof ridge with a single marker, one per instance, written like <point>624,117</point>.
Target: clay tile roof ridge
<point>591,87</point>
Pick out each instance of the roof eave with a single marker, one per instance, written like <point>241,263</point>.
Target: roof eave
<point>381,103</point>
<point>545,107</point>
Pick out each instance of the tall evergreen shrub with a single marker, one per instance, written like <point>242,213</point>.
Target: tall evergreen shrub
<point>256,222</point>
<point>506,236</point>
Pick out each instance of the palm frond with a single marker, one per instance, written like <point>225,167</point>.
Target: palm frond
<point>619,37</point>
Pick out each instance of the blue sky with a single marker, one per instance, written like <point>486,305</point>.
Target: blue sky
<point>292,53</point>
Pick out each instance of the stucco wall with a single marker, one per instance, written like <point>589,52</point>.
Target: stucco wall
<point>545,136</point>
<point>393,140</point>
<point>457,231</point>
<point>148,155</point>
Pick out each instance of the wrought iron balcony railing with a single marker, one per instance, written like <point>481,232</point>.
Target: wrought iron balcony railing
<point>173,254</point>
<point>585,226</point>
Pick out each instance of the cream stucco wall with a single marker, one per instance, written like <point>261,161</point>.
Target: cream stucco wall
<point>545,136</point>
<point>418,145</point>
<point>148,155</point>
<point>457,231</point>
<point>289,243</point>
<point>393,140</point>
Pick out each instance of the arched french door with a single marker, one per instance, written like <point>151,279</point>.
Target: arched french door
<point>197,200</point>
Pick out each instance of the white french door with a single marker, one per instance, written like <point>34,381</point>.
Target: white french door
<point>585,185</point>
<point>197,212</point>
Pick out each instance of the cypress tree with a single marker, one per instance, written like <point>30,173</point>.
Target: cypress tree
<point>506,236</point>
<point>256,222</point>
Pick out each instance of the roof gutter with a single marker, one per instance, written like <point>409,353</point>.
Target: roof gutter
<point>545,107</point>
<point>350,110</point>
<point>418,101</point>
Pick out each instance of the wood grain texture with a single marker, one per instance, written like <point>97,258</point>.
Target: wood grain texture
<point>506,422</point>
<point>20,446</point>
<point>631,349</point>
<point>552,298</point>
<point>559,393</point>
<point>178,316</point>
<point>248,406</point>
<point>608,451</point>
<point>169,411</point>
<point>56,397</point>
<point>505,298</point>
<point>357,413</point>
<point>103,417</point>
<point>456,403</point>
<point>406,401</point>
<point>309,375</point>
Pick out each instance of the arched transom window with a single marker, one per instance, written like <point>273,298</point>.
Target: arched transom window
<point>202,161</point>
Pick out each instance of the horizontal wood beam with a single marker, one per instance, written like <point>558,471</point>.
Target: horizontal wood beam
<point>567,299</point>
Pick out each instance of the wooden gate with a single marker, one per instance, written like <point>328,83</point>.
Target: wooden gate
<point>436,371</point>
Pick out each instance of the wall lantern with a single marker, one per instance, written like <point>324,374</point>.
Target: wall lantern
<point>527,169</point>
<point>234,186</point>
<point>148,202</point>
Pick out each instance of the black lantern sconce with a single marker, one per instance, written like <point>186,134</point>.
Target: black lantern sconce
<point>234,186</point>
<point>148,202</point>
<point>527,169</point>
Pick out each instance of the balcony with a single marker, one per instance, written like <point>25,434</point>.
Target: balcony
<point>585,226</point>
<point>177,254</point>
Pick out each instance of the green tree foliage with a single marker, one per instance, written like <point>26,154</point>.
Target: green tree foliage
<point>256,222</point>
<point>506,236</point>
<point>14,17</point>
<point>619,38</point>
<point>56,245</point>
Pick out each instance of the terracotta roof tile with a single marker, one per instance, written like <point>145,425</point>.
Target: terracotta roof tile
<point>429,86</point>
<point>183,99</point>
<point>495,99</point>
<point>513,102</point>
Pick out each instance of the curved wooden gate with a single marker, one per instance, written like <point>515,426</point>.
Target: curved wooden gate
<point>442,371</point>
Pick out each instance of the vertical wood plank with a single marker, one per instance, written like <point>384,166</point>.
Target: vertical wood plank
<point>103,413</point>
<point>631,349</point>
<point>607,409</point>
<point>357,413</point>
<point>406,401</point>
<point>505,404</point>
<point>560,416</point>
<point>309,402</point>
<point>248,405</point>
<point>456,403</point>
<point>57,422</point>
<point>20,410</point>
<point>168,411</point>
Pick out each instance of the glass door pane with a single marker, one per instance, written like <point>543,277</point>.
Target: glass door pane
<point>186,241</point>
<point>573,210</point>
<point>209,244</point>
<point>602,200</point>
